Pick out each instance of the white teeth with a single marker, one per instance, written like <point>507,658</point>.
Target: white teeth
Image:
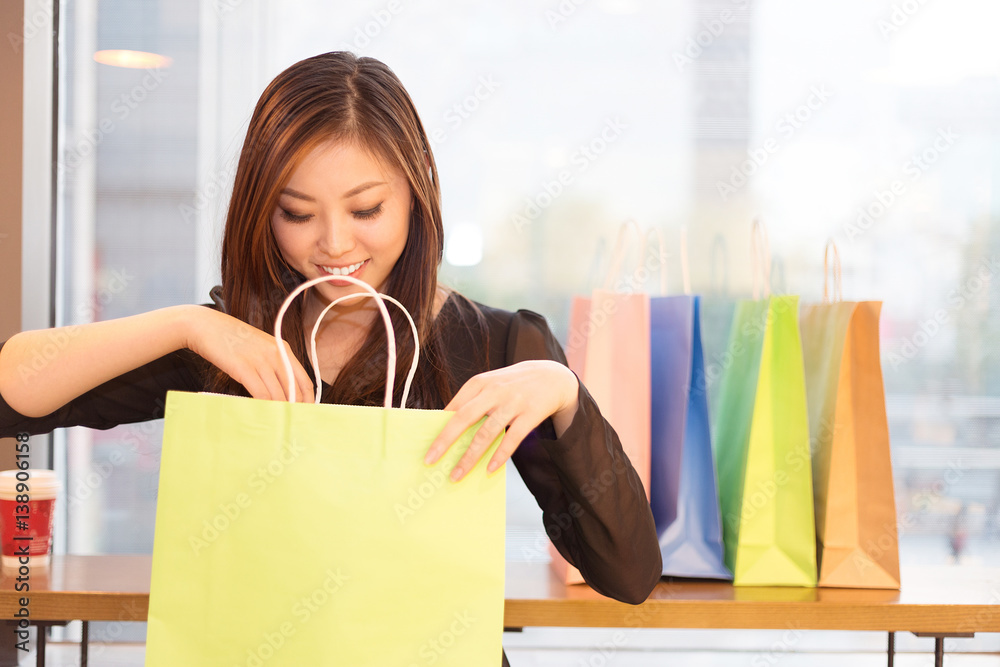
<point>347,270</point>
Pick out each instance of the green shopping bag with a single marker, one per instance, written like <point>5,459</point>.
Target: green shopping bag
<point>762,446</point>
<point>307,534</point>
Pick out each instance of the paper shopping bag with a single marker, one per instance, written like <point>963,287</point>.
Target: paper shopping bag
<point>717,308</point>
<point>292,534</point>
<point>762,449</point>
<point>608,348</point>
<point>857,540</point>
<point>683,489</point>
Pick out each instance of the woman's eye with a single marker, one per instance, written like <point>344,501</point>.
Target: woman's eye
<point>368,213</point>
<point>292,217</point>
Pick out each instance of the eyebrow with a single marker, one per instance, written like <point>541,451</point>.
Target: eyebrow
<point>361,188</point>
<point>296,194</point>
<point>350,193</point>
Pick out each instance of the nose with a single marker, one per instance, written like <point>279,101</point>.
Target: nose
<point>336,238</point>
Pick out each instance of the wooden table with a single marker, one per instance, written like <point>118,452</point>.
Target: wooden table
<point>938,602</point>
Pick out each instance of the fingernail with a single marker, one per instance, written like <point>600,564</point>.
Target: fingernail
<point>430,457</point>
<point>492,466</point>
<point>456,474</point>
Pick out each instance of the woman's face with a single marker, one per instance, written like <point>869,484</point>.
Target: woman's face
<point>343,212</point>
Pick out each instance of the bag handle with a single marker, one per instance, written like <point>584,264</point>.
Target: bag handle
<point>658,235</point>
<point>685,272</point>
<point>289,373</point>
<point>618,254</point>
<point>314,354</point>
<point>832,263</point>
<point>594,271</point>
<point>719,249</point>
<point>760,258</point>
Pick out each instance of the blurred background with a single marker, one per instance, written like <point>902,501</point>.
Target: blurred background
<point>872,123</point>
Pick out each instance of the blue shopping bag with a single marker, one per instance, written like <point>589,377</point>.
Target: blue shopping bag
<point>683,487</point>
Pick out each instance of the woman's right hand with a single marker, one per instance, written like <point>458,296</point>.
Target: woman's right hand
<point>247,354</point>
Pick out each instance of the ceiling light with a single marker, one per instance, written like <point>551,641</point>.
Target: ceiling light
<point>132,59</point>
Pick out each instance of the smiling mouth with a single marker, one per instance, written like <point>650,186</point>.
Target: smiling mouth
<point>343,271</point>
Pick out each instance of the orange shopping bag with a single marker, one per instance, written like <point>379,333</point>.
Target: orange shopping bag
<point>857,540</point>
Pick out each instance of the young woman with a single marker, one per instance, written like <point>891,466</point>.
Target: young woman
<point>336,176</point>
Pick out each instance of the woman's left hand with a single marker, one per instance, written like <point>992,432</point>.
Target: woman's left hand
<point>518,398</point>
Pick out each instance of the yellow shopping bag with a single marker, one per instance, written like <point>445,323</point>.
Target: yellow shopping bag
<point>292,534</point>
<point>762,442</point>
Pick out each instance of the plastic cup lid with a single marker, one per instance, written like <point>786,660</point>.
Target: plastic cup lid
<point>41,483</point>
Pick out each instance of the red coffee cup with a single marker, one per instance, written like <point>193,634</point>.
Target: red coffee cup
<point>27,508</point>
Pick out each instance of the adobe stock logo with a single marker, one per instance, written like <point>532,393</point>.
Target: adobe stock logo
<point>969,291</point>
<point>80,147</point>
<point>899,16</point>
<point>913,169</point>
<point>586,154</point>
<point>786,127</point>
<point>464,109</point>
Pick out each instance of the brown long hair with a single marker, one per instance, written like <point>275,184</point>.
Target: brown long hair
<point>336,96</point>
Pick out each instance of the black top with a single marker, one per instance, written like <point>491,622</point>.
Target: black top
<point>609,536</point>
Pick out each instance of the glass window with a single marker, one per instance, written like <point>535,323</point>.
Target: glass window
<point>127,167</point>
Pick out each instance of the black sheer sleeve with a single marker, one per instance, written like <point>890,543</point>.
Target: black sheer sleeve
<point>136,396</point>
